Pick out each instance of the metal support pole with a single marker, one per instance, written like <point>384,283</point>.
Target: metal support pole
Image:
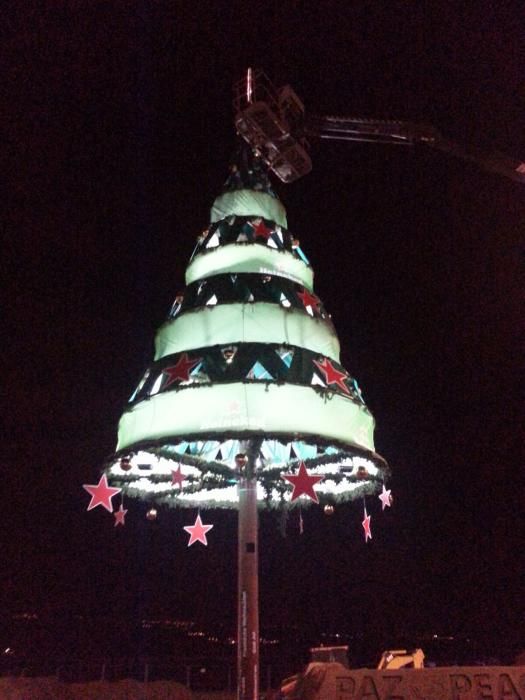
<point>248,579</point>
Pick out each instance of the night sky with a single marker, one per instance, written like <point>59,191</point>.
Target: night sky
<point>119,130</point>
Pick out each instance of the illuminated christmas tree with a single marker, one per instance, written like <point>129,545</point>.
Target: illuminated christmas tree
<point>245,404</point>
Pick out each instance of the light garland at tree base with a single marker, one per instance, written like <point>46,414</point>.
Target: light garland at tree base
<point>303,494</point>
<point>147,474</point>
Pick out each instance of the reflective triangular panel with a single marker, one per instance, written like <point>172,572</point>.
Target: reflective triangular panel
<point>141,384</point>
<point>284,301</point>
<point>213,242</point>
<point>304,451</point>
<point>286,355</point>
<point>317,381</point>
<point>258,372</point>
<point>157,384</point>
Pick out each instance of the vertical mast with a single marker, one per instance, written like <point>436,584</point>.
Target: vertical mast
<point>248,576</point>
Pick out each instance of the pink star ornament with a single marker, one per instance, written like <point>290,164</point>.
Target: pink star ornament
<point>101,494</point>
<point>177,477</point>
<point>120,516</point>
<point>385,498</point>
<point>198,531</point>
<point>366,526</point>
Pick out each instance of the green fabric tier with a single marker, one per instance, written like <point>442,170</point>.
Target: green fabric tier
<point>248,203</point>
<point>247,351</point>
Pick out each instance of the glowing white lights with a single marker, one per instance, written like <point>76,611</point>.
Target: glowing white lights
<point>150,475</point>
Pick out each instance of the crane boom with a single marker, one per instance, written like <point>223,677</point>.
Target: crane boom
<point>410,134</point>
<point>369,130</point>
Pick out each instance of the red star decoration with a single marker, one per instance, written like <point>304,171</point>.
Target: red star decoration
<point>101,494</point>
<point>261,230</point>
<point>120,516</point>
<point>181,371</point>
<point>385,498</point>
<point>332,375</point>
<point>366,526</point>
<point>308,299</point>
<point>303,483</point>
<point>198,531</point>
<point>177,477</point>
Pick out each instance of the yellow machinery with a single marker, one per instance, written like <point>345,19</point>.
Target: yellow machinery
<point>399,658</point>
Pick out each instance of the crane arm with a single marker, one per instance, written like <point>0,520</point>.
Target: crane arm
<point>410,134</point>
<point>494,162</point>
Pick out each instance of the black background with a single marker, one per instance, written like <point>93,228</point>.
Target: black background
<point>119,129</point>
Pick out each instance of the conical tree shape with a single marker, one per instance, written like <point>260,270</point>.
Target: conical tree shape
<point>248,351</point>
